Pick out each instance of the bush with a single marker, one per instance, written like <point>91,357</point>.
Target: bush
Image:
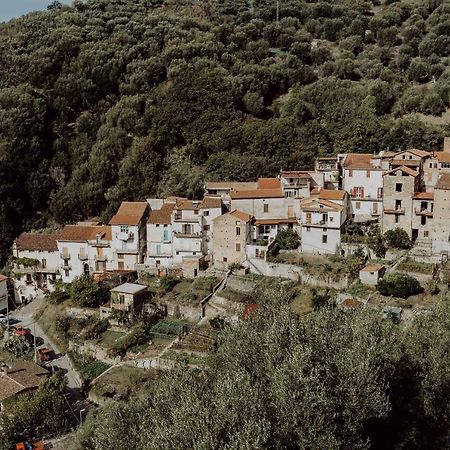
<point>59,295</point>
<point>138,336</point>
<point>85,291</point>
<point>375,241</point>
<point>432,287</point>
<point>287,240</point>
<point>397,238</point>
<point>168,282</point>
<point>399,285</point>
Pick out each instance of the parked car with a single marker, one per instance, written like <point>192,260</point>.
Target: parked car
<point>5,321</point>
<point>20,330</point>
<point>46,354</point>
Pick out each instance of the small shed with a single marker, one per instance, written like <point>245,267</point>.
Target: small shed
<point>128,297</point>
<point>372,273</point>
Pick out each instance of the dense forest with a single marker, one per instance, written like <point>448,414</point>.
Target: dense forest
<point>333,380</point>
<point>109,100</point>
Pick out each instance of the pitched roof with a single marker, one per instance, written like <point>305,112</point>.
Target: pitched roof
<point>129,213</point>
<point>295,174</point>
<point>257,193</point>
<point>211,202</point>
<point>275,221</point>
<point>207,203</point>
<point>415,151</point>
<point>358,161</point>
<point>442,156</point>
<point>443,182</point>
<point>3,277</point>
<point>315,204</point>
<point>37,242</point>
<point>129,288</point>
<point>236,185</point>
<point>329,194</point>
<point>405,162</point>
<point>269,183</point>
<point>241,215</point>
<point>423,195</point>
<point>79,233</point>
<point>162,215</point>
<point>21,376</point>
<point>405,169</point>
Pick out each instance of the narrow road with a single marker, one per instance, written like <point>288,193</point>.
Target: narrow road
<point>74,396</point>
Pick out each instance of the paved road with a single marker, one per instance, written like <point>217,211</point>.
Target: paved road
<point>74,395</point>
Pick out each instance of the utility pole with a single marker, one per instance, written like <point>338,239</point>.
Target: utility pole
<point>34,341</point>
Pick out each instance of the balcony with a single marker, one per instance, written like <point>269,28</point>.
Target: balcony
<point>182,234</point>
<point>424,212</point>
<point>394,210</point>
<point>125,236</point>
<point>82,257</point>
<point>64,255</point>
<point>101,258</point>
<point>374,213</point>
<point>315,223</point>
<point>98,243</point>
<point>66,266</point>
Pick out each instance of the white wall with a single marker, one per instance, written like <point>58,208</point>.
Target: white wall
<point>277,207</point>
<point>312,240</point>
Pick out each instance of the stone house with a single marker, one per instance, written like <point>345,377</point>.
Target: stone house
<point>232,233</point>
<point>128,298</point>
<point>441,216</point>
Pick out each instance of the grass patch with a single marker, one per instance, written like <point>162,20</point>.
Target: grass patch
<point>187,358</point>
<point>89,368</point>
<point>109,338</point>
<point>233,295</point>
<point>359,289</point>
<point>410,265</point>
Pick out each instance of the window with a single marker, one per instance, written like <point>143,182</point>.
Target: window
<point>119,255</point>
<point>435,165</point>
<point>166,235</point>
<point>158,249</point>
<point>331,219</point>
<point>195,211</point>
<point>431,165</point>
<point>157,225</point>
<point>205,227</point>
<point>121,299</point>
<point>206,213</point>
<point>66,272</point>
<point>308,217</point>
<point>398,204</point>
<point>124,228</point>
<point>397,218</point>
<point>308,229</point>
<point>54,276</point>
<point>423,220</point>
<point>324,239</point>
<point>367,173</point>
<point>398,187</point>
<point>350,173</point>
<point>403,156</point>
<point>380,192</point>
<point>358,192</point>
<point>266,207</point>
<point>375,207</point>
<point>238,231</point>
<point>29,279</point>
<point>194,253</point>
<point>358,205</point>
<point>238,247</point>
<point>165,225</point>
<point>410,156</point>
<point>425,234</point>
<point>178,253</point>
<point>225,259</point>
<point>44,263</point>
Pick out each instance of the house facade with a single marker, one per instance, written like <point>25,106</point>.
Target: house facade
<point>441,216</point>
<point>3,293</point>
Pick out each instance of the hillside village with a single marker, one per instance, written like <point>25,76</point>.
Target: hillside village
<point>236,223</point>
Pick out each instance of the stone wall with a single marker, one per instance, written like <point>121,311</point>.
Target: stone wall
<point>93,350</point>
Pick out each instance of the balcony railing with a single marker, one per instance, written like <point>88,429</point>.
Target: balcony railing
<point>424,212</point>
<point>182,234</point>
<point>82,257</point>
<point>65,255</point>
<point>394,210</point>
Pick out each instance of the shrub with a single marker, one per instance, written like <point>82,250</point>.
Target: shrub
<point>399,285</point>
<point>432,287</point>
<point>85,291</point>
<point>97,329</point>
<point>168,282</point>
<point>287,240</point>
<point>397,238</point>
<point>59,295</point>
<point>138,336</point>
<point>375,241</point>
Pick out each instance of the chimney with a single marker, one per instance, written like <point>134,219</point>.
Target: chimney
<point>447,144</point>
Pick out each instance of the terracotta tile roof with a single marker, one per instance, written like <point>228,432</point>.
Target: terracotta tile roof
<point>443,182</point>
<point>405,169</point>
<point>241,215</point>
<point>269,183</point>
<point>162,215</point>
<point>274,221</point>
<point>129,213</point>
<point>384,154</point>
<point>257,193</point>
<point>415,151</point>
<point>3,277</point>
<point>423,195</point>
<point>329,194</point>
<point>295,174</point>
<point>442,156</point>
<point>232,185</point>
<point>405,162</point>
<point>372,268</point>
<point>314,204</point>
<point>37,242</point>
<point>78,233</point>
<point>358,161</point>
<point>21,376</point>
<point>211,202</point>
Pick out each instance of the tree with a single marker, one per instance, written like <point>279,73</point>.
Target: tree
<point>375,241</point>
<point>288,239</point>
<point>85,291</point>
<point>397,238</point>
<point>398,285</point>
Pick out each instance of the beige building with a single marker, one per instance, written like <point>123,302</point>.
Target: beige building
<point>371,274</point>
<point>232,233</point>
<point>399,186</point>
<point>441,216</point>
<point>422,217</point>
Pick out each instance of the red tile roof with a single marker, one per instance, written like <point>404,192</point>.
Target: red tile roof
<point>405,169</point>
<point>257,193</point>
<point>275,221</point>
<point>269,183</point>
<point>208,202</point>
<point>313,204</point>
<point>329,194</point>
<point>443,182</point>
<point>415,151</point>
<point>129,213</point>
<point>296,174</point>
<point>79,233</point>
<point>232,185</point>
<point>241,215</point>
<point>162,215</point>
<point>37,242</point>
<point>442,156</point>
<point>358,161</point>
<point>372,268</point>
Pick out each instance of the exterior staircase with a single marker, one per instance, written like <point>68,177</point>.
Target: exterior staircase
<point>422,247</point>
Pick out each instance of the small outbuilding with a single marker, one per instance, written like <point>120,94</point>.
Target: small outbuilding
<point>128,297</point>
<point>372,273</point>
